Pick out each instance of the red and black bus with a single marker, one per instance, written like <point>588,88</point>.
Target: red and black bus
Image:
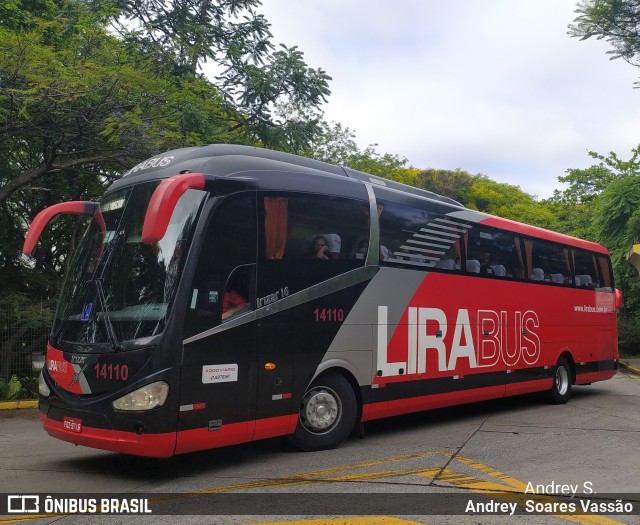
<point>223,294</point>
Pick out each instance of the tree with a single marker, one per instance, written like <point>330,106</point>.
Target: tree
<point>255,77</point>
<point>617,225</point>
<point>615,21</point>
<point>337,145</point>
<point>85,104</point>
<point>508,201</point>
<point>574,205</point>
<point>75,97</point>
<point>454,184</point>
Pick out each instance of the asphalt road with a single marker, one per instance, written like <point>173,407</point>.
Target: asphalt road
<point>438,467</point>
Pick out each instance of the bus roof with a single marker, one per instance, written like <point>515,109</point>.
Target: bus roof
<point>229,160</point>
<point>259,165</point>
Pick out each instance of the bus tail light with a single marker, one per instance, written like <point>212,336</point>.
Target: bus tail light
<point>619,300</point>
<point>145,398</point>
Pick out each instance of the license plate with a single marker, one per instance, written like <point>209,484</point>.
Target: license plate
<point>73,424</point>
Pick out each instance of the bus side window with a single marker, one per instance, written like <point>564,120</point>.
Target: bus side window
<point>307,239</point>
<point>419,238</point>
<point>493,253</point>
<point>586,269</point>
<point>227,258</point>
<point>605,274</point>
<point>551,262</point>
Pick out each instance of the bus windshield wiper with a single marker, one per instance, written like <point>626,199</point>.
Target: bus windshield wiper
<point>111,333</point>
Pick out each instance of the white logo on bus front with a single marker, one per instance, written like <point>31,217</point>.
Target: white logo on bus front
<point>156,162</point>
<point>491,345</point>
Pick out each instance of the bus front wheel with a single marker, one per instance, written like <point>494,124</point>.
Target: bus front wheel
<point>561,390</point>
<point>327,413</point>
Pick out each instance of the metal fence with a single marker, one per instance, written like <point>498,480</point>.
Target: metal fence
<point>24,329</point>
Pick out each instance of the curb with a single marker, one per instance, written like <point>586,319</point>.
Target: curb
<point>629,368</point>
<point>12,405</point>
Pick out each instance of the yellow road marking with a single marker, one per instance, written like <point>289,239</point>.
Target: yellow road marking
<point>502,486</point>
<point>25,517</point>
<point>369,520</point>
<point>512,491</point>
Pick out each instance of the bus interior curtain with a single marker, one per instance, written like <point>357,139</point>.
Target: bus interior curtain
<point>275,225</point>
<point>458,250</point>
<point>517,244</point>
<point>528,247</point>
<point>604,275</point>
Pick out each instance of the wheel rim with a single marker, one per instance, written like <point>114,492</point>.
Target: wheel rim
<point>321,410</point>
<point>562,380</point>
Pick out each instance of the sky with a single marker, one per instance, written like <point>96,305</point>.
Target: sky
<point>487,86</point>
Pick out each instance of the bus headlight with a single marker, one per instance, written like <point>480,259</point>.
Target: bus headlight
<point>145,398</point>
<point>43,389</point>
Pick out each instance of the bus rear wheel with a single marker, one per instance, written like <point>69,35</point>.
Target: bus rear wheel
<point>561,390</point>
<point>327,413</point>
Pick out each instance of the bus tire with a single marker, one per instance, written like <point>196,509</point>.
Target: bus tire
<point>561,390</point>
<point>327,413</point>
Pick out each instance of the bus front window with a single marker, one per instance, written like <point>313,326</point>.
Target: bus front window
<point>118,288</point>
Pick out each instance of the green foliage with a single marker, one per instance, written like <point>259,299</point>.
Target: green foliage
<point>80,103</point>
<point>254,77</point>
<point>337,145</point>
<point>615,21</point>
<point>23,323</point>
<point>455,184</point>
<point>20,310</point>
<point>584,184</point>
<point>508,201</point>
<point>617,212</point>
<point>77,108</point>
<point>14,387</point>
<point>575,205</point>
<point>629,335</point>
<point>616,222</point>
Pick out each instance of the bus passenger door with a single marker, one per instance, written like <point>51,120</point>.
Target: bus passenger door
<point>218,376</point>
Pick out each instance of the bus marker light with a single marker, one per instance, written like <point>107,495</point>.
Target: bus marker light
<point>277,397</point>
<point>269,366</point>
<point>194,406</point>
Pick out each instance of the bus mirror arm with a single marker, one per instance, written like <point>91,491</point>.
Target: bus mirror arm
<point>45,216</point>
<point>163,202</point>
<point>168,193</point>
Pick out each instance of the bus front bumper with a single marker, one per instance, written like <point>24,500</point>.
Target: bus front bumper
<point>72,429</point>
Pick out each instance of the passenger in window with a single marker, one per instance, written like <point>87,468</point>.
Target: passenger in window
<point>234,300</point>
<point>362,249</point>
<point>320,248</point>
<point>516,273</point>
<point>232,303</point>
<point>485,265</point>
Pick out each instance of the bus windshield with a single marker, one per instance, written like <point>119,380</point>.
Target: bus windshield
<point>119,289</point>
